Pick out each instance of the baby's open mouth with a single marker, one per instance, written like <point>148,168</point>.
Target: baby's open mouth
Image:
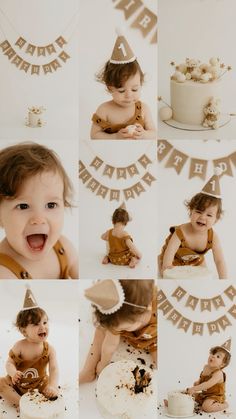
<point>42,335</point>
<point>200,224</point>
<point>36,241</point>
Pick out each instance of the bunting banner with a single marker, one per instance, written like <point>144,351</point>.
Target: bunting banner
<point>205,304</point>
<point>120,172</point>
<point>176,160</point>
<point>113,194</point>
<point>143,19</point>
<point>28,67</point>
<point>196,328</point>
<point>40,50</point>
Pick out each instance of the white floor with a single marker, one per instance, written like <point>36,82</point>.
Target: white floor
<point>162,413</point>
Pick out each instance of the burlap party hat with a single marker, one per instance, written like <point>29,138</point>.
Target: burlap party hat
<point>123,206</point>
<point>29,301</point>
<point>212,187</point>
<point>108,296</point>
<point>227,345</point>
<point>122,52</point>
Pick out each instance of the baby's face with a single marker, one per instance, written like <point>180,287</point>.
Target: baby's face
<point>37,333</point>
<point>34,219</point>
<point>204,220</point>
<point>216,360</point>
<point>129,93</point>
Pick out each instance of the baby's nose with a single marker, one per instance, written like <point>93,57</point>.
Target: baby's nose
<point>37,220</point>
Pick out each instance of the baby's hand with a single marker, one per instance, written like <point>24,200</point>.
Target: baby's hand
<point>124,134</point>
<point>138,133</point>
<point>189,391</point>
<point>17,377</point>
<point>50,391</point>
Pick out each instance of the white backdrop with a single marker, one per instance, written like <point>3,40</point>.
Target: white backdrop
<point>96,212</point>
<point>63,330</point>
<point>69,162</point>
<point>197,29</point>
<point>97,24</point>
<point>174,189</point>
<point>39,23</point>
<point>183,355</point>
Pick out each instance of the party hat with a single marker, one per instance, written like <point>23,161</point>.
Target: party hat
<point>212,187</point>
<point>122,52</point>
<point>108,296</point>
<point>227,345</point>
<point>29,301</point>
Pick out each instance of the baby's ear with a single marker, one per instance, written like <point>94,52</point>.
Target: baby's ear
<point>22,330</point>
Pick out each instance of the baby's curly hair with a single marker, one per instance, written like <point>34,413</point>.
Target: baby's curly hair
<point>22,161</point>
<point>31,316</point>
<point>120,215</point>
<point>201,202</point>
<point>227,355</point>
<point>115,75</point>
<point>137,291</point>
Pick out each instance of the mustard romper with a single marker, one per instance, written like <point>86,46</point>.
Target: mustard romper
<point>119,253</point>
<point>112,128</point>
<point>34,371</point>
<point>21,273</point>
<point>216,392</point>
<point>146,337</point>
<point>185,255</point>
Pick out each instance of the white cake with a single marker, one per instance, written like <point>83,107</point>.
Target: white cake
<point>116,395</point>
<point>180,405</point>
<point>187,272</point>
<point>33,405</point>
<point>188,99</point>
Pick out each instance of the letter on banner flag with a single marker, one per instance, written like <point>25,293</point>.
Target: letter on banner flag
<point>145,21</point>
<point>5,45</point>
<point>50,49</point>
<point>232,311</point>
<point>129,7</point>
<point>174,316</point>
<point>230,292</point>
<point>213,327</point>
<point>30,49</point>
<point>163,148</point>
<point>55,64</point>
<point>144,161</point>
<point>224,322</point>
<point>35,69</point>
<point>132,170</point>
<point>17,60</point>
<point>102,191</point>
<point>179,293</point>
<point>128,193</point>
<point>224,164</point>
<point>96,163</point>
<point>47,68</point>
<point>138,188</point>
<point>177,160</point>
<point>184,324</point>
<point>205,304</point>
<point>25,66</point>
<point>148,178</point>
<point>60,41</point>
<point>92,184</point>
<point>10,53</point>
<point>114,194</point>
<point>41,51</point>
<point>64,56</point>
<point>218,301</point>
<point>121,172</point>
<point>108,171</point>
<point>198,168</point>
<point>197,328</point>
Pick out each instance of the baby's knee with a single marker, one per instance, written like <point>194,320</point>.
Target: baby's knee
<point>207,406</point>
<point>3,383</point>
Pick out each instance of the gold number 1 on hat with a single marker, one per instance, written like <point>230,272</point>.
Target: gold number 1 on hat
<point>213,183</point>
<point>122,48</point>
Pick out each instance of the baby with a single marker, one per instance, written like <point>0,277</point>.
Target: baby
<point>34,192</point>
<point>122,251</point>
<point>209,390</point>
<point>187,243</point>
<point>123,308</point>
<point>125,116</point>
<point>31,356</point>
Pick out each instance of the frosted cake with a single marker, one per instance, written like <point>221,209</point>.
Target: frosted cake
<point>125,390</point>
<point>180,405</point>
<point>34,405</point>
<point>187,272</point>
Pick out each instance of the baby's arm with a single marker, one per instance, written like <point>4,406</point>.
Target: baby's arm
<point>109,346</point>
<point>97,132</point>
<point>11,366</point>
<point>88,372</point>
<point>73,264</point>
<point>133,249</point>
<point>149,130</point>
<point>170,252</point>
<point>51,390</point>
<point>216,378</point>
<point>105,235</point>
<point>219,257</point>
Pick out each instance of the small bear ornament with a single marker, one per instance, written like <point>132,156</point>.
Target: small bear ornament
<point>211,114</point>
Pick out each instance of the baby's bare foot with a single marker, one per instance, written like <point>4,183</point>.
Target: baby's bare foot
<point>105,260</point>
<point>165,402</point>
<point>86,376</point>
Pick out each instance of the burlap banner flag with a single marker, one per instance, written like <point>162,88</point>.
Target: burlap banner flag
<point>145,21</point>
<point>163,148</point>
<point>192,302</point>
<point>29,67</point>
<point>114,194</point>
<point>198,168</point>
<point>224,164</point>
<point>40,50</point>
<point>121,172</point>
<point>177,160</point>
<point>232,311</point>
<point>230,292</point>
<point>179,293</point>
<point>197,328</point>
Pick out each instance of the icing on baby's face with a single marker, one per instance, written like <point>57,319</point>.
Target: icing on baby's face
<point>128,93</point>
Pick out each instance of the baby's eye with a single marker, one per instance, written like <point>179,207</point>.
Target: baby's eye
<point>209,215</point>
<point>45,322</point>
<point>198,211</point>
<point>22,206</point>
<point>121,90</point>
<point>51,205</point>
<point>135,90</point>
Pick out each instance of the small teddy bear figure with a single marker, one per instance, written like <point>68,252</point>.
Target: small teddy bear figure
<point>212,113</point>
<point>192,66</point>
